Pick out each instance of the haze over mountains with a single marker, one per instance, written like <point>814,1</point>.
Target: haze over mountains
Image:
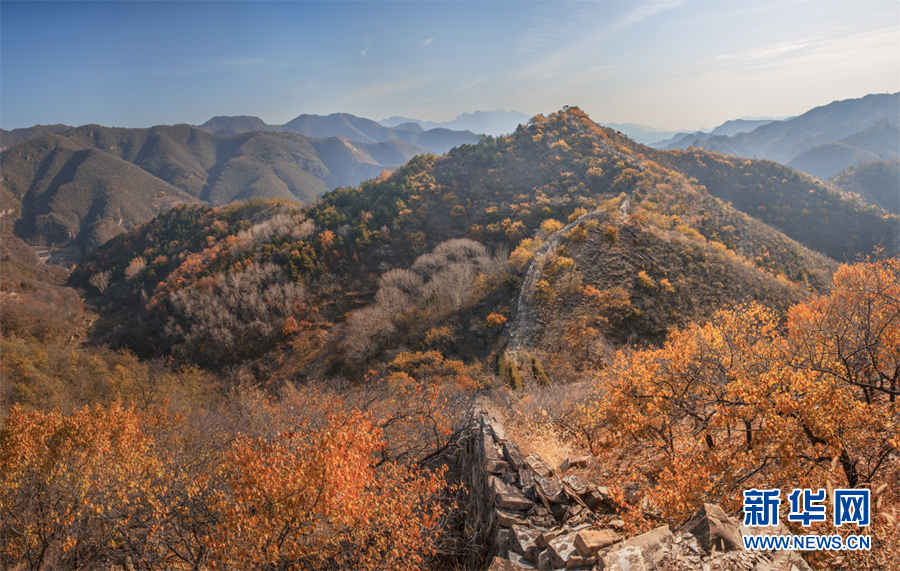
<point>727,129</point>
<point>492,123</point>
<point>821,142</point>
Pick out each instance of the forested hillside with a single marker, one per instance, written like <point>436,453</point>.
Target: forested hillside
<point>484,210</point>
<point>876,182</point>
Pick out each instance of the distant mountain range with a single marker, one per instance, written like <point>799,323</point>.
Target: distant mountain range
<point>602,243</point>
<point>432,140</point>
<point>820,142</point>
<point>880,141</point>
<point>492,123</point>
<point>726,129</point>
<point>16,136</point>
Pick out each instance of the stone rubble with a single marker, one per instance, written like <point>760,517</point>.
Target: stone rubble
<point>531,515</point>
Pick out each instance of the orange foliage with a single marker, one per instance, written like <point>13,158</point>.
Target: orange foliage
<point>67,481</point>
<point>495,320</point>
<point>290,326</point>
<point>310,490</point>
<point>738,403</point>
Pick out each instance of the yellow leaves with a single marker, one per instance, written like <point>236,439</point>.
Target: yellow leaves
<point>645,281</point>
<point>550,226</point>
<point>524,253</point>
<point>89,462</point>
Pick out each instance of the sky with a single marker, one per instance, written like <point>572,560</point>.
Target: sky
<point>672,65</point>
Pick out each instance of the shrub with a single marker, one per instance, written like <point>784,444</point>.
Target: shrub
<point>543,293</point>
<point>645,281</point>
<point>549,226</point>
<point>538,370</point>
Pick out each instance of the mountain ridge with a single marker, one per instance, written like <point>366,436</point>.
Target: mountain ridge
<point>437,140</point>
<point>167,165</point>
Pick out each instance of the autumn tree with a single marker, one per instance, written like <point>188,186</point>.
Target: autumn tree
<point>100,280</point>
<point>72,486</point>
<point>739,402</point>
<point>438,284</point>
<point>853,334</point>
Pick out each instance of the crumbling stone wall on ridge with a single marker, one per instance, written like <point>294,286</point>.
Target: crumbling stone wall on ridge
<point>527,514</point>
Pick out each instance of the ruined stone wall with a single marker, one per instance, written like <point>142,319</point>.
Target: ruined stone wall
<point>527,514</point>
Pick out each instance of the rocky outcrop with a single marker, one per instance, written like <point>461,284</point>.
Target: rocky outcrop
<point>527,514</point>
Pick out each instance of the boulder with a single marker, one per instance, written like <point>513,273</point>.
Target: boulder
<point>490,451</point>
<point>578,484</point>
<point>496,466</point>
<point>714,529</point>
<point>589,542</point>
<point>654,543</point>
<point>522,538</point>
<point>551,487</point>
<point>560,549</point>
<point>509,497</point>
<point>494,428</point>
<point>508,518</point>
<point>626,558</point>
<point>501,542</point>
<point>599,500</point>
<point>513,455</point>
<point>539,466</point>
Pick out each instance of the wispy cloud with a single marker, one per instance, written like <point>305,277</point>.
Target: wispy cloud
<point>368,43</point>
<point>865,48</point>
<point>644,11</point>
<point>200,62</point>
<point>427,42</point>
<point>770,51</point>
<point>558,53</point>
<point>538,37</point>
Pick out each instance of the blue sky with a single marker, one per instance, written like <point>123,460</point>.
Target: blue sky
<point>667,64</point>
